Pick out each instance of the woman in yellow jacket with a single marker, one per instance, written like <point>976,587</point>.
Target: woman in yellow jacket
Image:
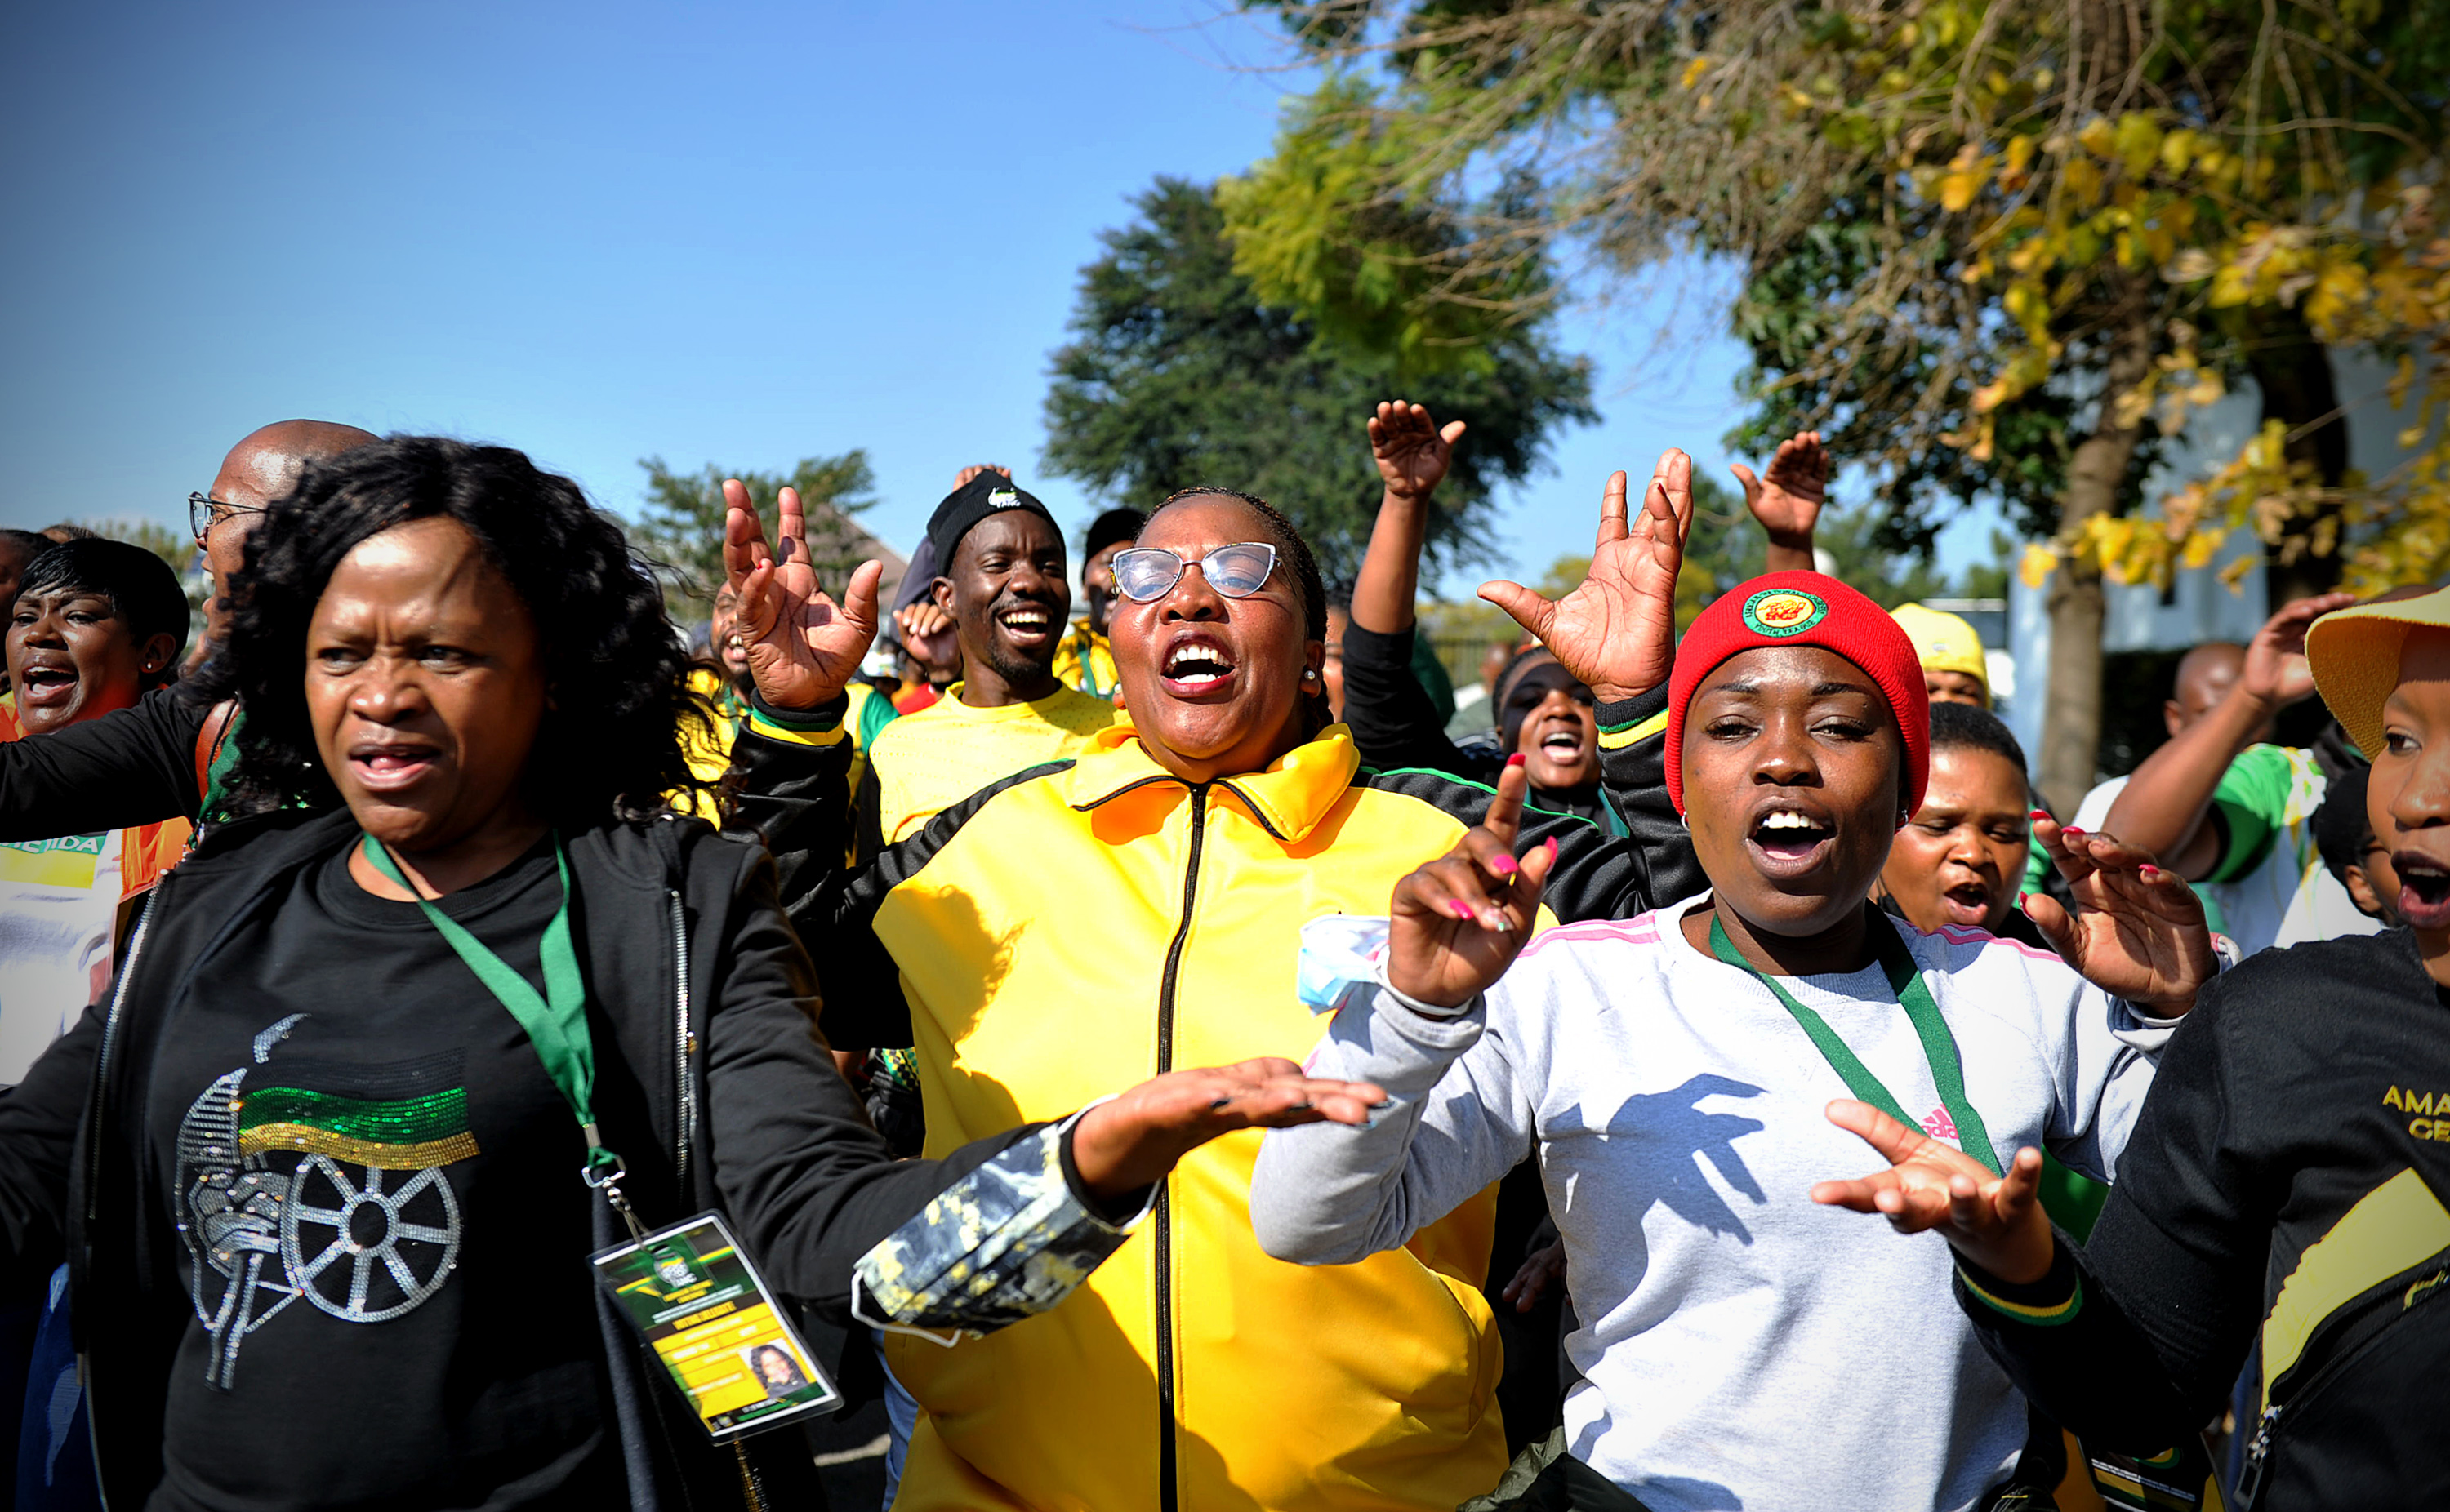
<point>1087,922</point>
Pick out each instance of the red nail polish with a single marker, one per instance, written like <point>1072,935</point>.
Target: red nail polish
<point>2150,870</point>
<point>2069,829</point>
<point>2020,899</point>
<point>2039,813</point>
<point>1517,759</point>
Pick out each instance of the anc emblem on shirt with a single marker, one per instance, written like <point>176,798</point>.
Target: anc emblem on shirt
<point>1784,612</point>
<point>322,1181</point>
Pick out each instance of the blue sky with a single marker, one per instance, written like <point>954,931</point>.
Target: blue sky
<point>737,233</point>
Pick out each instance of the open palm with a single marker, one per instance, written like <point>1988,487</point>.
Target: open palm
<point>1411,449</point>
<point>1996,1221</point>
<point>802,647</point>
<point>2139,931</point>
<point>1786,498</point>
<point>1617,631</point>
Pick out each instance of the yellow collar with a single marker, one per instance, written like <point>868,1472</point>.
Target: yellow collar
<point>1289,798</point>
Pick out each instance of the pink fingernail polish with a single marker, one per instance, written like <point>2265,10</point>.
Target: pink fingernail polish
<point>2069,829</point>
<point>1460,909</point>
<point>1503,866</point>
<point>1517,759</point>
<point>1551,843</point>
<point>2150,870</point>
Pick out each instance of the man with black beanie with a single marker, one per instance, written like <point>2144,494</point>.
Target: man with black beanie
<point>1003,580</point>
<point>1085,660</point>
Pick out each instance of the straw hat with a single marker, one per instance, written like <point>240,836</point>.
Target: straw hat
<point>2354,652</point>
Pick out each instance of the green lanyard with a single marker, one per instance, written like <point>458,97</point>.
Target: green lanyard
<point>1939,1046</point>
<point>556,1022</point>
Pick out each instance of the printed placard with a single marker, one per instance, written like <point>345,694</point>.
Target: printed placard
<point>696,1298</point>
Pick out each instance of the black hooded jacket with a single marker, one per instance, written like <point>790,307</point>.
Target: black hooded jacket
<point>712,1082</point>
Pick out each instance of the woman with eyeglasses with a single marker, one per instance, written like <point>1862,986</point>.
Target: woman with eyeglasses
<point>328,1161</point>
<point>1107,916</point>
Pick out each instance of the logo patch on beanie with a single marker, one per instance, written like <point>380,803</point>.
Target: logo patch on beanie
<point>1784,612</point>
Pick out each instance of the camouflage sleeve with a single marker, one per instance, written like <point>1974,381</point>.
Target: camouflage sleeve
<point>1011,1239</point>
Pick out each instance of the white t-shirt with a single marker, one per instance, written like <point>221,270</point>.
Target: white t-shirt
<point>1742,1346</point>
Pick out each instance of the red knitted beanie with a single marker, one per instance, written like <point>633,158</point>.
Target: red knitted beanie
<point>1803,608</point>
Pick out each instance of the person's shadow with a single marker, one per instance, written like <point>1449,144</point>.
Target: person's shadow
<point>1668,1137</point>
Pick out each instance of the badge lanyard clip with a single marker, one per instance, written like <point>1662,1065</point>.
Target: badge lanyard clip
<point>555,1022</point>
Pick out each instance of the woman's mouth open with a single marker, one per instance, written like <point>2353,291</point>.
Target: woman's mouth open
<point>390,768</point>
<point>1967,904</point>
<point>1787,842</point>
<point>2424,891</point>
<point>47,687</point>
<point>1196,668</point>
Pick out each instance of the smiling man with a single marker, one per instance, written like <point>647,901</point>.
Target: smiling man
<point>1004,585</point>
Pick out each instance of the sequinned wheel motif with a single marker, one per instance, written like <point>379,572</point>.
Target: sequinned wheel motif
<point>363,1253</point>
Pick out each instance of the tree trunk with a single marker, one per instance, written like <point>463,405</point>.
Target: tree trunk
<point>2071,722</point>
<point>2293,371</point>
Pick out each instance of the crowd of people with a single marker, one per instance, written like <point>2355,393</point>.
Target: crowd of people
<point>1181,1056</point>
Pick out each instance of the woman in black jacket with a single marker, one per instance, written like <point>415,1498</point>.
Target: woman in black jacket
<point>322,1191</point>
<point>2284,1203</point>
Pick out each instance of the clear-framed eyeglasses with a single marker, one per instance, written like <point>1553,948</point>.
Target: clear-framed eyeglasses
<point>1147,572</point>
<point>204,511</point>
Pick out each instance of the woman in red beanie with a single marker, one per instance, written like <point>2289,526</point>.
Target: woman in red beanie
<point>1686,1075</point>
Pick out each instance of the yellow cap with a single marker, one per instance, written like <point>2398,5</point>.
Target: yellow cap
<point>1944,642</point>
<point>2354,652</point>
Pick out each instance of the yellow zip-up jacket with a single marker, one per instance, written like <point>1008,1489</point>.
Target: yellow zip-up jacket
<point>1076,929</point>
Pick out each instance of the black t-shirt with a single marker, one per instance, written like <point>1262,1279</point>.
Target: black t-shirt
<point>383,1229</point>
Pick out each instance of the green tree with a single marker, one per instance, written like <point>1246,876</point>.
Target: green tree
<point>681,528</point>
<point>1177,373</point>
<point>2012,230</point>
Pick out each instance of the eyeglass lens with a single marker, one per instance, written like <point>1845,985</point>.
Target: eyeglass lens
<point>1237,570</point>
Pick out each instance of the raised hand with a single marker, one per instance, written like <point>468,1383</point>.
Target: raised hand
<point>1787,498</point>
<point>2276,672</point>
<point>802,647</point>
<point>2139,931</point>
<point>1123,1145</point>
<point>928,634</point>
<point>1412,452</point>
<point>1617,631</point>
<point>962,478</point>
<point>1459,922</point>
<point>1997,1222</point>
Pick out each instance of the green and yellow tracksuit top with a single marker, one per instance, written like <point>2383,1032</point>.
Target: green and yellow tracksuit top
<point>1077,928</point>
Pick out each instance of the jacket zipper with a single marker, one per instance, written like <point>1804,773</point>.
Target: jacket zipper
<point>1169,1495</point>
<point>684,1045</point>
<point>2258,1450</point>
<point>93,1121</point>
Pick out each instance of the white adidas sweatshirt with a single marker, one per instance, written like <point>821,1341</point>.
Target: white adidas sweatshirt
<point>1742,1346</point>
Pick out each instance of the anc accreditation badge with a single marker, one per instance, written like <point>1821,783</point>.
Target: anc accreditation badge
<point>1784,612</point>
<point>694,1297</point>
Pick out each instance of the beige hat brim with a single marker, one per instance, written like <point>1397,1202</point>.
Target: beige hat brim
<point>2354,653</point>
